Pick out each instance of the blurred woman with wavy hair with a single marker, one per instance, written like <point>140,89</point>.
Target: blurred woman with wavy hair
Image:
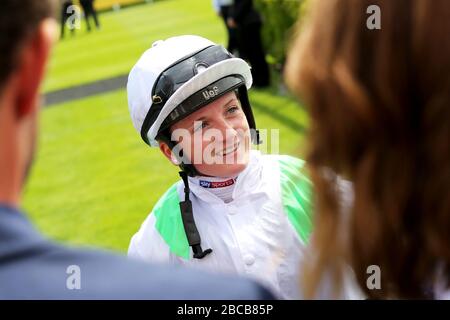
<point>379,102</point>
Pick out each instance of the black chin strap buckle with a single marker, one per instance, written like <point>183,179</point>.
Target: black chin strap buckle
<point>190,228</point>
<point>199,253</point>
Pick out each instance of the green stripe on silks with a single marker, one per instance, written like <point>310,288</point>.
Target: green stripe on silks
<point>169,223</point>
<point>296,195</point>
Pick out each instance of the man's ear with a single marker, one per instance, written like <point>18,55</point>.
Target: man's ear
<point>168,153</point>
<point>31,65</point>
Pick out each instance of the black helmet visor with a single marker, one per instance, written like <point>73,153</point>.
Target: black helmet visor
<point>202,98</point>
<point>176,75</point>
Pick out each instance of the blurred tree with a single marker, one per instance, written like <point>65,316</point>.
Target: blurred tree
<point>279,17</point>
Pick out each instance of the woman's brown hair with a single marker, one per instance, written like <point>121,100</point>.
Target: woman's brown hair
<point>379,102</point>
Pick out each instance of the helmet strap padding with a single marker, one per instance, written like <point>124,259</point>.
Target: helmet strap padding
<point>245,104</point>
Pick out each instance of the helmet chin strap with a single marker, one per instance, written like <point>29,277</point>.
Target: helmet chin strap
<point>190,228</point>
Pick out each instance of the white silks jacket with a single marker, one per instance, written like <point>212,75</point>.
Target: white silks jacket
<point>262,233</point>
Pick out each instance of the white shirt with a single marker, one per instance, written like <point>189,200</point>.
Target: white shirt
<point>253,235</point>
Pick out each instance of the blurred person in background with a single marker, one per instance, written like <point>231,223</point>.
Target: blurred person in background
<point>32,267</point>
<point>89,10</point>
<point>379,102</point>
<point>248,23</point>
<point>67,10</point>
<point>222,9</point>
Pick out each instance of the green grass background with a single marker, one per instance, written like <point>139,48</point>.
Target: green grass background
<point>94,181</point>
<point>124,36</point>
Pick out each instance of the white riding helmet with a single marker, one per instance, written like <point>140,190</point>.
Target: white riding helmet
<point>176,77</point>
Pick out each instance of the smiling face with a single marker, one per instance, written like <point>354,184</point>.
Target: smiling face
<point>216,138</point>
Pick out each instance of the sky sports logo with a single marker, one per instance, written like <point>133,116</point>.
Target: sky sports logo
<point>216,184</point>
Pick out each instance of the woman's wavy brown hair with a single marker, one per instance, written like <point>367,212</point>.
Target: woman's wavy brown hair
<point>379,102</point>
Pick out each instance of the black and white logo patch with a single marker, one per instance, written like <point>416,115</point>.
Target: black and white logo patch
<point>211,93</point>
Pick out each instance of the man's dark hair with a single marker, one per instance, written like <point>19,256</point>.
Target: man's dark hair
<point>18,20</point>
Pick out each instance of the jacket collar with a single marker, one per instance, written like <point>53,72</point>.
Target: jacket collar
<point>248,182</point>
<point>17,234</point>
